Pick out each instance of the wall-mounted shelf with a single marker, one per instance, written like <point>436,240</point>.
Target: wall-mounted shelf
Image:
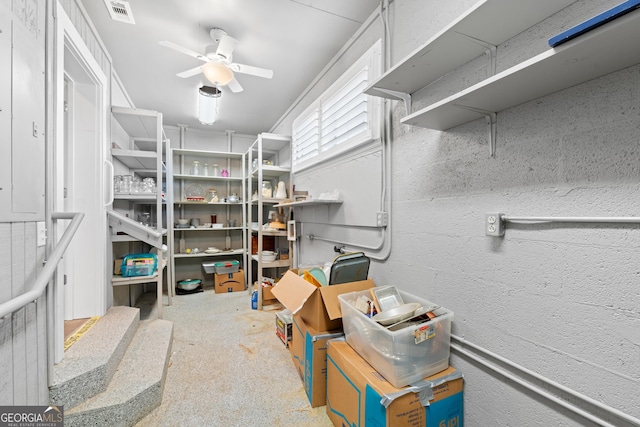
<point>594,54</point>
<point>483,27</point>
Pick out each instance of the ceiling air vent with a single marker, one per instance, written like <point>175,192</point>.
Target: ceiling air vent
<point>120,11</point>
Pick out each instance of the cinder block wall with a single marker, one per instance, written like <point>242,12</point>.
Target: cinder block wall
<point>562,300</point>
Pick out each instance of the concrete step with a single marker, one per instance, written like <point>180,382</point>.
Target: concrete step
<point>137,385</point>
<point>90,363</point>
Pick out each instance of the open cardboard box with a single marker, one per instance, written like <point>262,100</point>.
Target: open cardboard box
<point>318,307</point>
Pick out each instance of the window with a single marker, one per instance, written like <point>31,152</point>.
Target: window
<point>342,118</point>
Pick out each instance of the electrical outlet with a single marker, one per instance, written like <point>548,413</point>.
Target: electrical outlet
<point>41,233</point>
<point>494,224</point>
<point>382,220</point>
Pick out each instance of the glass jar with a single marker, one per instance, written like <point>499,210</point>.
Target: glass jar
<point>205,170</point>
<point>136,185</point>
<point>267,190</point>
<point>127,181</point>
<point>117,184</point>
<point>212,196</point>
<point>216,170</point>
<point>195,168</point>
<point>149,185</point>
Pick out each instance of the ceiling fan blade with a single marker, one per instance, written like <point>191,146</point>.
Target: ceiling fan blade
<point>184,50</point>
<point>226,46</point>
<point>190,73</point>
<point>234,86</point>
<point>254,71</point>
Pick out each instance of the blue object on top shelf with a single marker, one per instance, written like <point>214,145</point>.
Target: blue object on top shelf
<point>594,22</point>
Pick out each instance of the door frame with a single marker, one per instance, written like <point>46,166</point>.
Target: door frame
<point>69,46</point>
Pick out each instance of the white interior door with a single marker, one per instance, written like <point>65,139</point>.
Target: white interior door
<point>80,150</point>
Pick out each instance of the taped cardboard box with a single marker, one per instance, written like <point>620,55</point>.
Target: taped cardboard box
<point>358,396</point>
<point>297,346</point>
<point>312,359</point>
<point>229,282</point>
<point>317,306</point>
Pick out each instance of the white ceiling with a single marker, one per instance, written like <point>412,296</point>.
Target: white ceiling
<point>294,38</point>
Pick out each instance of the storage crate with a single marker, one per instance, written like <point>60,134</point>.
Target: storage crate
<point>139,265</point>
<point>221,267</point>
<point>401,356</point>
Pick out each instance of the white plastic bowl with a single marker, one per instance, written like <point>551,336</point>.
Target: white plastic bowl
<point>268,256</point>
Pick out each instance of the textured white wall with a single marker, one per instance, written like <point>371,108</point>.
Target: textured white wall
<point>563,299</point>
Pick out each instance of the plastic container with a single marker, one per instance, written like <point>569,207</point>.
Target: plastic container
<point>401,356</point>
<point>139,265</point>
<point>254,300</point>
<point>221,267</point>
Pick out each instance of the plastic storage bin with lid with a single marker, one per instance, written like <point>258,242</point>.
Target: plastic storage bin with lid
<point>402,356</point>
<point>222,266</point>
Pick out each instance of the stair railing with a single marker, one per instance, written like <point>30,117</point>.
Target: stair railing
<point>51,264</point>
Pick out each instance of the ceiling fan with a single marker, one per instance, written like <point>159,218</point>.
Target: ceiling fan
<point>218,68</point>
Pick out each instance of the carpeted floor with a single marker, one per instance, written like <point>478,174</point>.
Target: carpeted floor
<point>228,368</point>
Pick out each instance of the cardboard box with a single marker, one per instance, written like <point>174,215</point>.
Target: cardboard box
<point>314,361</point>
<point>359,396</point>
<point>318,307</point>
<point>297,346</point>
<point>117,266</point>
<point>267,296</point>
<point>229,282</point>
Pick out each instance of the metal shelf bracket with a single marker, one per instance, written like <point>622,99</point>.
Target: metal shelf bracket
<point>490,50</point>
<point>400,96</point>
<point>492,118</point>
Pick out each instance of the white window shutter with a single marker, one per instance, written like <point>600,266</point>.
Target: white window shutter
<point>342,118</point>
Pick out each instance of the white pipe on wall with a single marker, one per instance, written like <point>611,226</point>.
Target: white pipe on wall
<point>590,219</point>
<point>615,412</point>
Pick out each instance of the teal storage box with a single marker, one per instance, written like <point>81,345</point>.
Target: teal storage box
<point>134,265</point>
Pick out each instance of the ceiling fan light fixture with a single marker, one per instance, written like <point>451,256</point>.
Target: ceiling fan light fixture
<point>208,100</point>
<point>217,73</point>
